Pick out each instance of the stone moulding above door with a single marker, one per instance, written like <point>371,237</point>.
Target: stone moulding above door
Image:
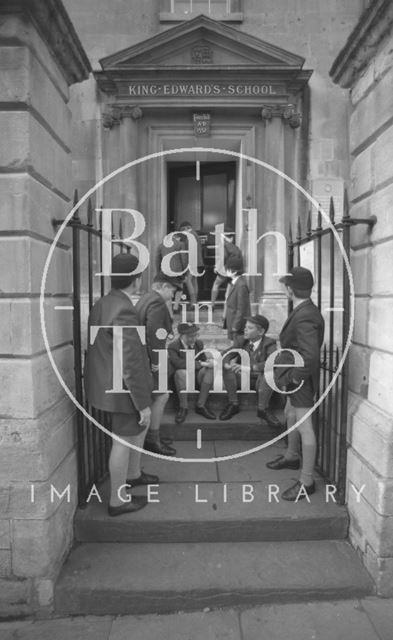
<point>239,70</point>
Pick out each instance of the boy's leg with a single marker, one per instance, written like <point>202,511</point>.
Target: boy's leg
<point>157,412</point>
<point>264,392</point>
<point>219,280</point>
<point>293,449</point>
<point>205,383</point>
<point>230,384</point>
<point>309,446</point>
<point>190,289</point>
<point>180,378</point>
<point>124,460</point>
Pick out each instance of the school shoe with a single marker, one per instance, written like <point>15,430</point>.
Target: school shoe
<point>269,417</point>
<point>181,415</point>
<point>292,494</point>
<point>205,412</point>
<point>136,503</point>
<point>229,411</point>
<point>144,478</point>
<point>281,463</point>
<point>159,447</point>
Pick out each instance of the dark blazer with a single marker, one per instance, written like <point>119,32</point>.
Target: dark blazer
<point>154,314</point>
<point>178,261</point>
<point>258,357</point>
<point>177,357</point>
<point>238,306</point>
<point>117,309</point>
<point>303,332</point>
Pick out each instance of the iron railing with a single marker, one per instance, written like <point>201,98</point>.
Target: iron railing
<point>93,445</point>
<point>330,417</point>
<point>333,300</point>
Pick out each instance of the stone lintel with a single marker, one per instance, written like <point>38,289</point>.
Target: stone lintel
<point>374,24</point>
<point>55,27</point>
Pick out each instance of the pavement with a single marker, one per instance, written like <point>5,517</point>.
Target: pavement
<point>366,619</point>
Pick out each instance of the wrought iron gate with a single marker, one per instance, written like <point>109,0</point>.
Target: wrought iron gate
<point>93,444</point>
<point>332,293</point>
<point>333,300</point>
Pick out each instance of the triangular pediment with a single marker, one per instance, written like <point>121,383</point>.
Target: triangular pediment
<point>202,42</point>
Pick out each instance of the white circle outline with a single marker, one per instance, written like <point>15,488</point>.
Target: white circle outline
<point>159,154</point>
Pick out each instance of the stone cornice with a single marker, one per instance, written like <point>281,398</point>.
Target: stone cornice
<point>55,27</point>
<point>374,24</point>
<point>203,25</point>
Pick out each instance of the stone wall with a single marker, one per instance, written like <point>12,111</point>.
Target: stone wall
<point>367,68</point>
<point>40,56</point>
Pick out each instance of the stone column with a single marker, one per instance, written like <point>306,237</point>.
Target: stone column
<point>130,151</point>
<point>40,57</point>
<point>275,207</point>
<point>132,178</point>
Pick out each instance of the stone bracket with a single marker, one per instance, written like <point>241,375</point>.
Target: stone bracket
<point>286,112</point>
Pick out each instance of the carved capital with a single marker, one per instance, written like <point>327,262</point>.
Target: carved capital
<point>136,113</point>
<point>111,117</point>
<point>286,112</point>
<point>293,117</point>
<point>114,114</point>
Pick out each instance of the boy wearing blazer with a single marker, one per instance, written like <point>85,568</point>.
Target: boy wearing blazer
<point>259,347</point>
<point>237,304</point>
<point>302,332</point>
<point>204,379</point>
<point>129,409</point>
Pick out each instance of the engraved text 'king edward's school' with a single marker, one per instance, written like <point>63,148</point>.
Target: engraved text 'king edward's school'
<point>203,89</point>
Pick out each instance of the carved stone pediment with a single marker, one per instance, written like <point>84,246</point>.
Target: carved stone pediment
<point>199,42</point>
<point>202,61</point>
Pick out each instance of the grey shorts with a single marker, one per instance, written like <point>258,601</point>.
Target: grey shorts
<point>126,424</point>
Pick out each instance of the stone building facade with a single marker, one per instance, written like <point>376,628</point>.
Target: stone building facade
<point>66,122</point>
<point>161,45</point>
<point>41,56</point>
<point>365,66</point>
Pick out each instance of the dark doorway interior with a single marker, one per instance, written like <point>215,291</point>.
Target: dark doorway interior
<point>204,203</point>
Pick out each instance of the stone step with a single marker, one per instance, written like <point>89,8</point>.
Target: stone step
<point>244,426</point>
<point>217,401</point>
<point>123,579</point>
<point>178,517</point>
<point>245,513</point>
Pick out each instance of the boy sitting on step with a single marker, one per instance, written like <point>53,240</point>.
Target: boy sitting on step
<point>204,379</point>
<point>259,347</point>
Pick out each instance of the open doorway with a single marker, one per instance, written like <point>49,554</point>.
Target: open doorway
<point>204,197</point>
